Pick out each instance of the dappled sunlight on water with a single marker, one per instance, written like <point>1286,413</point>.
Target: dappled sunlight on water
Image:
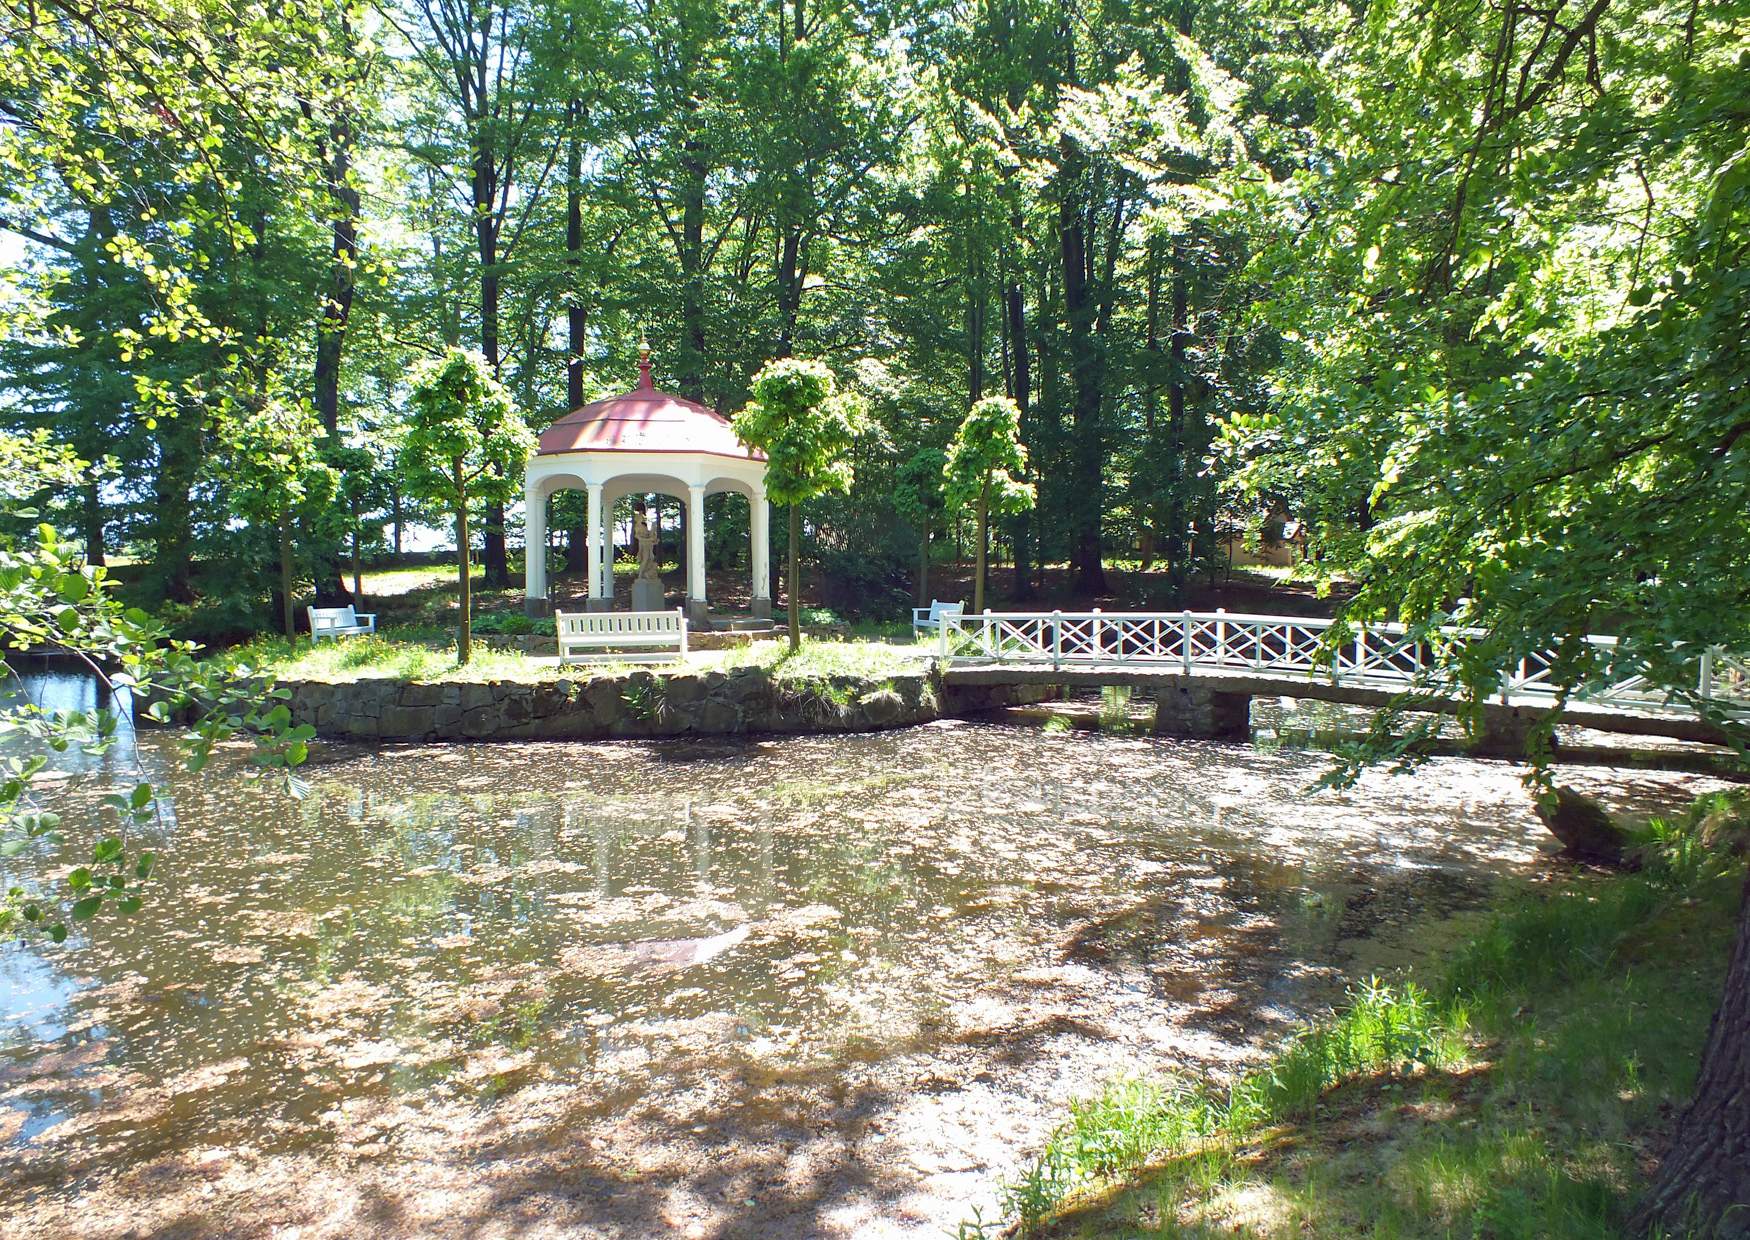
<point>819,986</point>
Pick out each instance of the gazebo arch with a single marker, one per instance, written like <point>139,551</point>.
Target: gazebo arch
<point>644,442</point>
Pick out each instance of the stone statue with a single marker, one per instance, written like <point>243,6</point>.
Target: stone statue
<point>647,586</point>
<point>644,532</point>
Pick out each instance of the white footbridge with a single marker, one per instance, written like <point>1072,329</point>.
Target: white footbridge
<point>1205,657</point>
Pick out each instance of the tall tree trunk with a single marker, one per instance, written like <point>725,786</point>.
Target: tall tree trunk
<point>1703,1186</point>
<point>1149,496</point>
<point>922,591</point>
<point>335,156</point>
<point>692,258</point>
<point>358,568</point>
<point>1179,547</point>
<point>974,320</point>
<point>486,226</point>
<point>978,568</point>
<point>179,463</point>
<point>91,518</point>
<point>794,585</point>
<point>1087,454</point>
<point>576,315</point>
<point>1177,543</point>
<point>789,289</point>
<point>464,582</point>
<point>285,548</point>
<point>1021,369</point>
<point>1048,464</point>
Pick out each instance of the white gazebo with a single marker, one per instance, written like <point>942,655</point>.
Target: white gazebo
<point>644,442</point>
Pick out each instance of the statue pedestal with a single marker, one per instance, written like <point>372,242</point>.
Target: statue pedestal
<point>646,595</point>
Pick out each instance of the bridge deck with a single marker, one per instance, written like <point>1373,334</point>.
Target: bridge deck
<point>1234,655</point>
<point>1263,684</point>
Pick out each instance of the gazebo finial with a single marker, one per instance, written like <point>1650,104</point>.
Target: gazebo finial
<point>644,382</point>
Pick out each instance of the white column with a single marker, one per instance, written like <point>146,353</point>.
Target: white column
<point>599,598</point>
<point>696,552</point>
<point>759,556</point>
<point>534,544</point>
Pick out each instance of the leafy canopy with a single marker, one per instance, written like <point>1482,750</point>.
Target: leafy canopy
<point>986,460</point>
<point>277,467</point>
<point>805,426</point>
<point>464,440</point>
<point>1512,284</point>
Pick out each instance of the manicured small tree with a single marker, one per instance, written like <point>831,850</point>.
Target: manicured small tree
<point>806,427</point>
<point>277,475</point>
<point>985,461</point>
<point>465,445</point>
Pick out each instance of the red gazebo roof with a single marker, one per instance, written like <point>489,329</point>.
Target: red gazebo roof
<point>645,420</point>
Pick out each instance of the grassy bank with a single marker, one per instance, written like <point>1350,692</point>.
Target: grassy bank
<point>1523,1090</point>
<point>426,655</point>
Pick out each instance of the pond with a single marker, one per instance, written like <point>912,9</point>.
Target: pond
<point>832,986</point>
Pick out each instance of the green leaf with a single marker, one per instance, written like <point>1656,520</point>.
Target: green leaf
<point>83,909</point>
<point>72,587</point>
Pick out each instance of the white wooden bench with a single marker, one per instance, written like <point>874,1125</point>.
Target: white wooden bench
<point>339,622</point>
<point>637,636</point>
<point>929,619</point>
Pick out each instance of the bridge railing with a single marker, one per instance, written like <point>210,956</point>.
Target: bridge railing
<point>1386,656</point>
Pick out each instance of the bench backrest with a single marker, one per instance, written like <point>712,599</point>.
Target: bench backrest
<point>938,609</point>
<point>332,619</point>
<point>592,624</point>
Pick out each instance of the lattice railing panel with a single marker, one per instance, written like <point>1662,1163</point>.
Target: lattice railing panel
<point>1385,657</point>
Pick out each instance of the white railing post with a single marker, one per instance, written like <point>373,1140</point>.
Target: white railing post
<point>1706,688</point>
<point>942,622</point>
<point>1221,637</point>
<point>1185,633</point>
<point>1056,639</point>
<point>1094,635</point>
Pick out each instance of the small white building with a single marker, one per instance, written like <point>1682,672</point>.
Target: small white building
<point>644,442</point>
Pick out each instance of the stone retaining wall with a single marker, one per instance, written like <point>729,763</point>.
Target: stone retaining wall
<point>641,703</point>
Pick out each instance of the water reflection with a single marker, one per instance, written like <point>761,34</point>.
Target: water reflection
<point>869,968</point>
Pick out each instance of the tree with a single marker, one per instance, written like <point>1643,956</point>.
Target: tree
<point>1703,1185</point>
<point>918,497</point>
<point>479,57</point>
<point>464,445</point>
<point>806,427</point>
<point>1535,430</point>
<point>278,476</point>
<point>364,491</point>
<point>983,470</point>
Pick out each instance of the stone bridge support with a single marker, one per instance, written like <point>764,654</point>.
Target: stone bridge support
<point>1196,711</point>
